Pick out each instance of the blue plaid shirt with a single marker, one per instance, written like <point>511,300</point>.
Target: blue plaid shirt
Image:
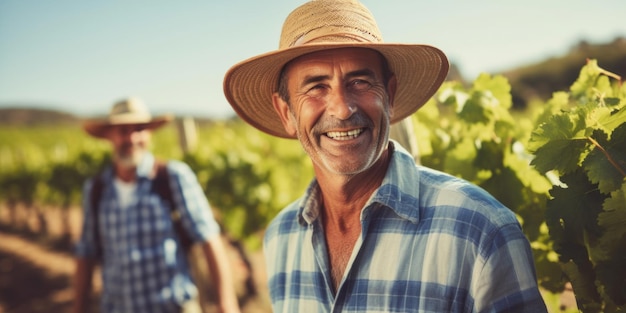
<point>144,268</point>
<point>429,242</point>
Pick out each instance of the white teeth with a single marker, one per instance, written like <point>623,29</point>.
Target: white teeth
<point>345,135</point>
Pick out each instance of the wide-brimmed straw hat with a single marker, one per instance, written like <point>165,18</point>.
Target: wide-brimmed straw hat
<point>129,111</point>
<point>330,24</point>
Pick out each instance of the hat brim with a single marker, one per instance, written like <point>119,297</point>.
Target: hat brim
<point>249,85</point>
<point>99,127</point>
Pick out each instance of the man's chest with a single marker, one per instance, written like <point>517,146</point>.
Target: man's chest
<point>143,221</point>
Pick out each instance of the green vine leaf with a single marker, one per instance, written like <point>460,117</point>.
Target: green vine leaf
<point>606,163</point>
<point>612,219</point>
<point>571,215</point>
<point>498,86</point>
<point>591,82</point>
<point>611,121</point>
<point>556,145</point>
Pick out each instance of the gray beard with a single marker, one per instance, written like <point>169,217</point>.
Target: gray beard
<point>129,161</point>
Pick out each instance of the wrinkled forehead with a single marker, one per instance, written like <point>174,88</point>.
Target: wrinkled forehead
<point>350,60</point>
<point>367,56</point>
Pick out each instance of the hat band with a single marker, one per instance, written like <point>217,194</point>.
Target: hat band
<point>336,36</point>
<point>130,118</point>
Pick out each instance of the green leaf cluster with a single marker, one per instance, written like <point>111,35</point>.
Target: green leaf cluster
<point>248,176</point>
<point>582,140</point>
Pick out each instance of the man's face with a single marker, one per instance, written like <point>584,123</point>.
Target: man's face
<point>339,108</point>
<point>130,142</point>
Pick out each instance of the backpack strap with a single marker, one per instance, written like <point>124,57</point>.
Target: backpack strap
<point>161,185</point>
<point>94,197</point>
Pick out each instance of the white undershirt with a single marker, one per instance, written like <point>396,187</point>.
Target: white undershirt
<point>125,192</point>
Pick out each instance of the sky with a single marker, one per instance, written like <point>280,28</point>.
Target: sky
<point>82,56</point>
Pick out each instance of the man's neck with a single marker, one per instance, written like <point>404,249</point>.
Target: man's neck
<point>344,196</point>
<point>126,174</point>
<point>343,199</point>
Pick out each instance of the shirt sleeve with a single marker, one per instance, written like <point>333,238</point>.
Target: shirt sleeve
<point>189,198</point>
<point>506,281</point>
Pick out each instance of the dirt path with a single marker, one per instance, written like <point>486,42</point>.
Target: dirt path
<point>33,279</point>
<point>36,270</point>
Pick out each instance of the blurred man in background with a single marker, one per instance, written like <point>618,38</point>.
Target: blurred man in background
<point>140,216</point>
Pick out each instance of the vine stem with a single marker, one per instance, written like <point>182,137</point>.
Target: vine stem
<point>610,74</point>
<point>608,156</point>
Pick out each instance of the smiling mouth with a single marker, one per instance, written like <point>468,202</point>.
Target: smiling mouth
<point>347,135</point>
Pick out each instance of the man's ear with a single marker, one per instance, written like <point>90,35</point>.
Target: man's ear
<point>392,85</point>
<point>282,109</point>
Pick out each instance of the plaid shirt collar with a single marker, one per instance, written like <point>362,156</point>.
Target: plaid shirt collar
<point>385,195</point>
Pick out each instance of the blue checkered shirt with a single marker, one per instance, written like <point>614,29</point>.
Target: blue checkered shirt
<point>144,268</point>
<point>429,243</point>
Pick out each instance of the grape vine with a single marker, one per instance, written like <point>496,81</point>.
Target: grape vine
<point>584,144</point>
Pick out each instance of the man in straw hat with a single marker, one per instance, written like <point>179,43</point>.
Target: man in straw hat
<point>374,232</point>
<point>128,224</point>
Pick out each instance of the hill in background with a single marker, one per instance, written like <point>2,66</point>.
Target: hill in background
<point>541,80</point>
<point>529,82</point>
<point>31,116</point>
<point>24,116</point>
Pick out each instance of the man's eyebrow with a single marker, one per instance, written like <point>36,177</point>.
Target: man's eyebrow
<point>314,79</point>
<point>318,78</point>
<point>362,72</point>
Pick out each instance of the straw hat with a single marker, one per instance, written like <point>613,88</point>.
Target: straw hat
<point>329,24</point>
<point>130,111</point>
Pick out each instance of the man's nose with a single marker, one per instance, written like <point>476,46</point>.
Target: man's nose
<point>341,105</point>
<point>128,133</point>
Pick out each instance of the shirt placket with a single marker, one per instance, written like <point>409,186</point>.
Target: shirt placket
<point>342,297</point>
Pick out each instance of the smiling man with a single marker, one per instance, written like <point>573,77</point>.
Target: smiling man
<point>374,232</point>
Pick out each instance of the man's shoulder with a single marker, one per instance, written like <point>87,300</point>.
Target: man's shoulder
<point>176,167</point>
<point>288,220</point>
<point>290,213</point>
<point>178,174</point>
<point>442,193</point>
<point>284,235</point>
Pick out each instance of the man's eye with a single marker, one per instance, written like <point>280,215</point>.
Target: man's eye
<point>360,85</point>
<point>141,128</point>
<point>316,90</point>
